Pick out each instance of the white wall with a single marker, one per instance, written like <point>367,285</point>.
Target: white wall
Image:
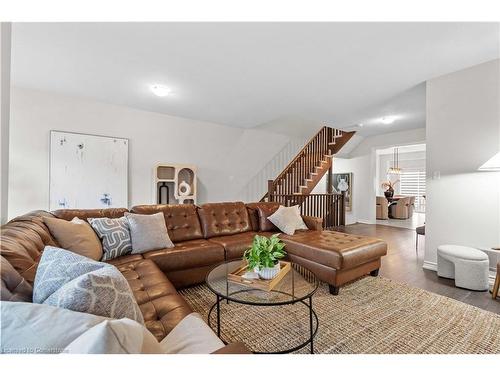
<point>5,49</point>
<point>226,157</point>
<point>401,138</point>
<point>362,183</point>
<point>463,131</point>
<point>362,163</point>
<point>256,187</point>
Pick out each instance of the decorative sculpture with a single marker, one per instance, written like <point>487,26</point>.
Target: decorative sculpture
<point>184,189</point>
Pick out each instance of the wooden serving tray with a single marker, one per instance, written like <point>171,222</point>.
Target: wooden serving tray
<point>267,285</point>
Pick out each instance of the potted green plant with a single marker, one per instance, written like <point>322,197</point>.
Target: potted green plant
<point>264,255</point>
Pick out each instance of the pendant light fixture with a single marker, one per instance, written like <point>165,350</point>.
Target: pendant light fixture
<point>395,169</point>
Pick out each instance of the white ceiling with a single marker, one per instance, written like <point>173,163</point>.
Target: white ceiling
<point>285,77</point>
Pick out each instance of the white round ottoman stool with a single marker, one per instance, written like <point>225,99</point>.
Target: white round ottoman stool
<point>468,266</point>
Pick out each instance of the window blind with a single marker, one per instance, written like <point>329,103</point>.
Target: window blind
<point>412,182</point>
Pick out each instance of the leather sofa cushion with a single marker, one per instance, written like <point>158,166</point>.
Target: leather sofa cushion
<point>187,254</point>
<point>125,259</point>
<point>236,244</point>
<point>224,219</point>
<point>259,213</point>
<point>14,287</point>
<point>334,249</point>
<point>189,277</point>
<point>69,214</point>
<point>22,241</point>
<point>161,306</point>
<point>182,221</point>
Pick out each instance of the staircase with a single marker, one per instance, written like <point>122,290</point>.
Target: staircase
<point>296,182</point>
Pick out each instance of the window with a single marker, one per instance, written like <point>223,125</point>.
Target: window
<point>412,182</point>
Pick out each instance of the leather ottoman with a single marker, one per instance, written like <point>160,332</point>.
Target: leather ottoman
<point>336,258</point>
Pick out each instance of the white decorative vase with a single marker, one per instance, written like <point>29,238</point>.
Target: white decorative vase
<point>268,273</point>
<point>184,189</point>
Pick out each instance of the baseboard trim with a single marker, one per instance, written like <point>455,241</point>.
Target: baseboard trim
<point>432,266</point>
<point>361,221</point>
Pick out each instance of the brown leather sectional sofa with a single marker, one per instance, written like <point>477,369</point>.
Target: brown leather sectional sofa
<point>203,236</point>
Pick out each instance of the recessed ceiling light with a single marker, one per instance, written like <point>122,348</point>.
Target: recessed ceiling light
<point>387,120</point>
<point>360,125</point>
<point>160,90</point>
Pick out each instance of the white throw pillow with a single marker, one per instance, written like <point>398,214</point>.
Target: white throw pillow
<point>43,329</point>
<point>148,232</point>
<point>122,336</point>
<point>191,336</point>
<point>288,219</point>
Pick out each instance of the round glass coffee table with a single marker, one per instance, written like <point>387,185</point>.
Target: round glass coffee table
<point>297,286</point>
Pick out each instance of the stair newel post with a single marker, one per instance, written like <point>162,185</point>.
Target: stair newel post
<point>269,190</point>
<point>329,182</point>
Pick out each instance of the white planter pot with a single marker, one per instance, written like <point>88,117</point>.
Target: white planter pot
<point>268,273</point>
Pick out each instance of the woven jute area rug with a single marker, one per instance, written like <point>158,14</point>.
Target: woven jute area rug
<point>371,315</point>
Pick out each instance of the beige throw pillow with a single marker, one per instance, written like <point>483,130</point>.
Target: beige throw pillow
<point>288,219</point>
<point>76,236</point>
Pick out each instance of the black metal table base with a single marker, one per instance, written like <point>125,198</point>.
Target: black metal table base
<point>313,318</point>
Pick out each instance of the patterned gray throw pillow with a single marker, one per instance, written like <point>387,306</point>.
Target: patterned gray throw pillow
<point>115,236</point>
<point>71,281</point>
<point>58,267</point>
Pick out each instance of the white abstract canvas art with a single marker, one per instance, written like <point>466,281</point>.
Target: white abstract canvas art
<point>88,171</point>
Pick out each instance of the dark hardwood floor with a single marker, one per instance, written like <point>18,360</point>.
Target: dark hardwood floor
<point>402,264</point>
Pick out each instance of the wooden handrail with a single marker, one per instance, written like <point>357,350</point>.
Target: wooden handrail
<point>299,155</point>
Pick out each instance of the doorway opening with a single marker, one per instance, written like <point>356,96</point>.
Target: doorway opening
<point>401,186</point>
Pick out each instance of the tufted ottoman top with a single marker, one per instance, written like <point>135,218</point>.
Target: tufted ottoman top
<point>462,252</point>
<point>334,249</point>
